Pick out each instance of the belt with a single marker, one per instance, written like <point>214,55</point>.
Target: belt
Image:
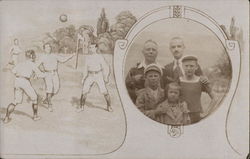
<point>50,71</point>
<point>23,77</point>
<point>94,72</point>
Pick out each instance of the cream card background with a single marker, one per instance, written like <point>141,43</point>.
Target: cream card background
<point>144,137</point>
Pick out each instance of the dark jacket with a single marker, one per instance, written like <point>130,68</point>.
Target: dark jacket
<point>133,85</point>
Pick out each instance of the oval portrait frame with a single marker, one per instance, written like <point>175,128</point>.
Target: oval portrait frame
<point>183,12</point>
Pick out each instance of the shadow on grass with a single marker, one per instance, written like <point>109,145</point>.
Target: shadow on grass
<point>16,112</point>
<point>75,102</point>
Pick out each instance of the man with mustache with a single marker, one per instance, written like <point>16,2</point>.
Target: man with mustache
<point>174,70</point>
<point>135,78</point>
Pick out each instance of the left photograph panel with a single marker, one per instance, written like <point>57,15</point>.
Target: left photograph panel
<point>58,90</point>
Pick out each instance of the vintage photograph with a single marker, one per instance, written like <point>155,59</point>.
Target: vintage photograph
<point>124,79</point>
<point>177,71</point>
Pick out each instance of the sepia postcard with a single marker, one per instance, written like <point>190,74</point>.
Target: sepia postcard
<point>124,79</point>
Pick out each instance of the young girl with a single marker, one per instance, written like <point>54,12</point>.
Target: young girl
<point>173,111</point>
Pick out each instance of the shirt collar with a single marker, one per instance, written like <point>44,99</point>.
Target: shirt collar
<point>180,62</point>
<point>143,64</point>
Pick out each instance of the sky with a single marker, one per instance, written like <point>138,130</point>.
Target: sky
<point>28,15</point>
<point>26,19</point>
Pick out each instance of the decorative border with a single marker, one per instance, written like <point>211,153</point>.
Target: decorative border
<point>121,49</point>
<point>184,12</point>
<point>175,131</point>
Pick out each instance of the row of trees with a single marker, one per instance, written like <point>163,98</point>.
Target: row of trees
<point>108,35</point>
<point>64,39</point>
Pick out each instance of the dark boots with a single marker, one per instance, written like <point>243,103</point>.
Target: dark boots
<point>35,109</point>
<point>82,103</point>
<point>10,109</point>
<point>48,101</point>
<point>109,108</point>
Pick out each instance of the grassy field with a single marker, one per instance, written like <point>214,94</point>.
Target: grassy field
<point>63,131</point>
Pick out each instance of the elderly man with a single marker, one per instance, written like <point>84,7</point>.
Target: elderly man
<point>135,77</point>
<point>174,70</point>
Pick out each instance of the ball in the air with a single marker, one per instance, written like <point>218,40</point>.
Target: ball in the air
<point>63,18</point>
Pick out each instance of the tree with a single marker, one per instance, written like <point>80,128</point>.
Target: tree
<point>223,67</point>
<point>63,40</point>
<point>124,21</point>
<point>105,43</point>
<point>102,23</point>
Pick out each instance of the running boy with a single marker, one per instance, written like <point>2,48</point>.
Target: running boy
<point>173,111</point>
<point>23,72</point>
<point>192,88</point>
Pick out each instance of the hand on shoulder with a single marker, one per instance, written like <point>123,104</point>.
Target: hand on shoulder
<point>204,80</point>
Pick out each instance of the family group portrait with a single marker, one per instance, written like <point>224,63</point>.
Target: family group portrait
<point>179,75</point>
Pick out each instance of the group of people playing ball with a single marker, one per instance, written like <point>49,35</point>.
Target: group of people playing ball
<point>95,70</point>
<point>169,94</point>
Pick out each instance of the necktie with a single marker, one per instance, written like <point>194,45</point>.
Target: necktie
<point>177,71</point>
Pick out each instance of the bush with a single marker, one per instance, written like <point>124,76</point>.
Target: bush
<point>124,21</point>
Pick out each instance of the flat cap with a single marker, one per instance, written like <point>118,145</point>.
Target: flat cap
<point>153,67</point>
<point>189,58</point>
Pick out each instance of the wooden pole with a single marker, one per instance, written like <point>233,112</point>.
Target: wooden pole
<point>77,53</point>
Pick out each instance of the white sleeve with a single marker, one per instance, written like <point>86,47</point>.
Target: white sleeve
<point>63,59</point>
<point>39,61</point>
<point>37,71</point>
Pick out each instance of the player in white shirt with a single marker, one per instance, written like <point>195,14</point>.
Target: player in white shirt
<point>15,51</point>
<point>50,61</point>
<point>96,70</point>
<point>23,72</point>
